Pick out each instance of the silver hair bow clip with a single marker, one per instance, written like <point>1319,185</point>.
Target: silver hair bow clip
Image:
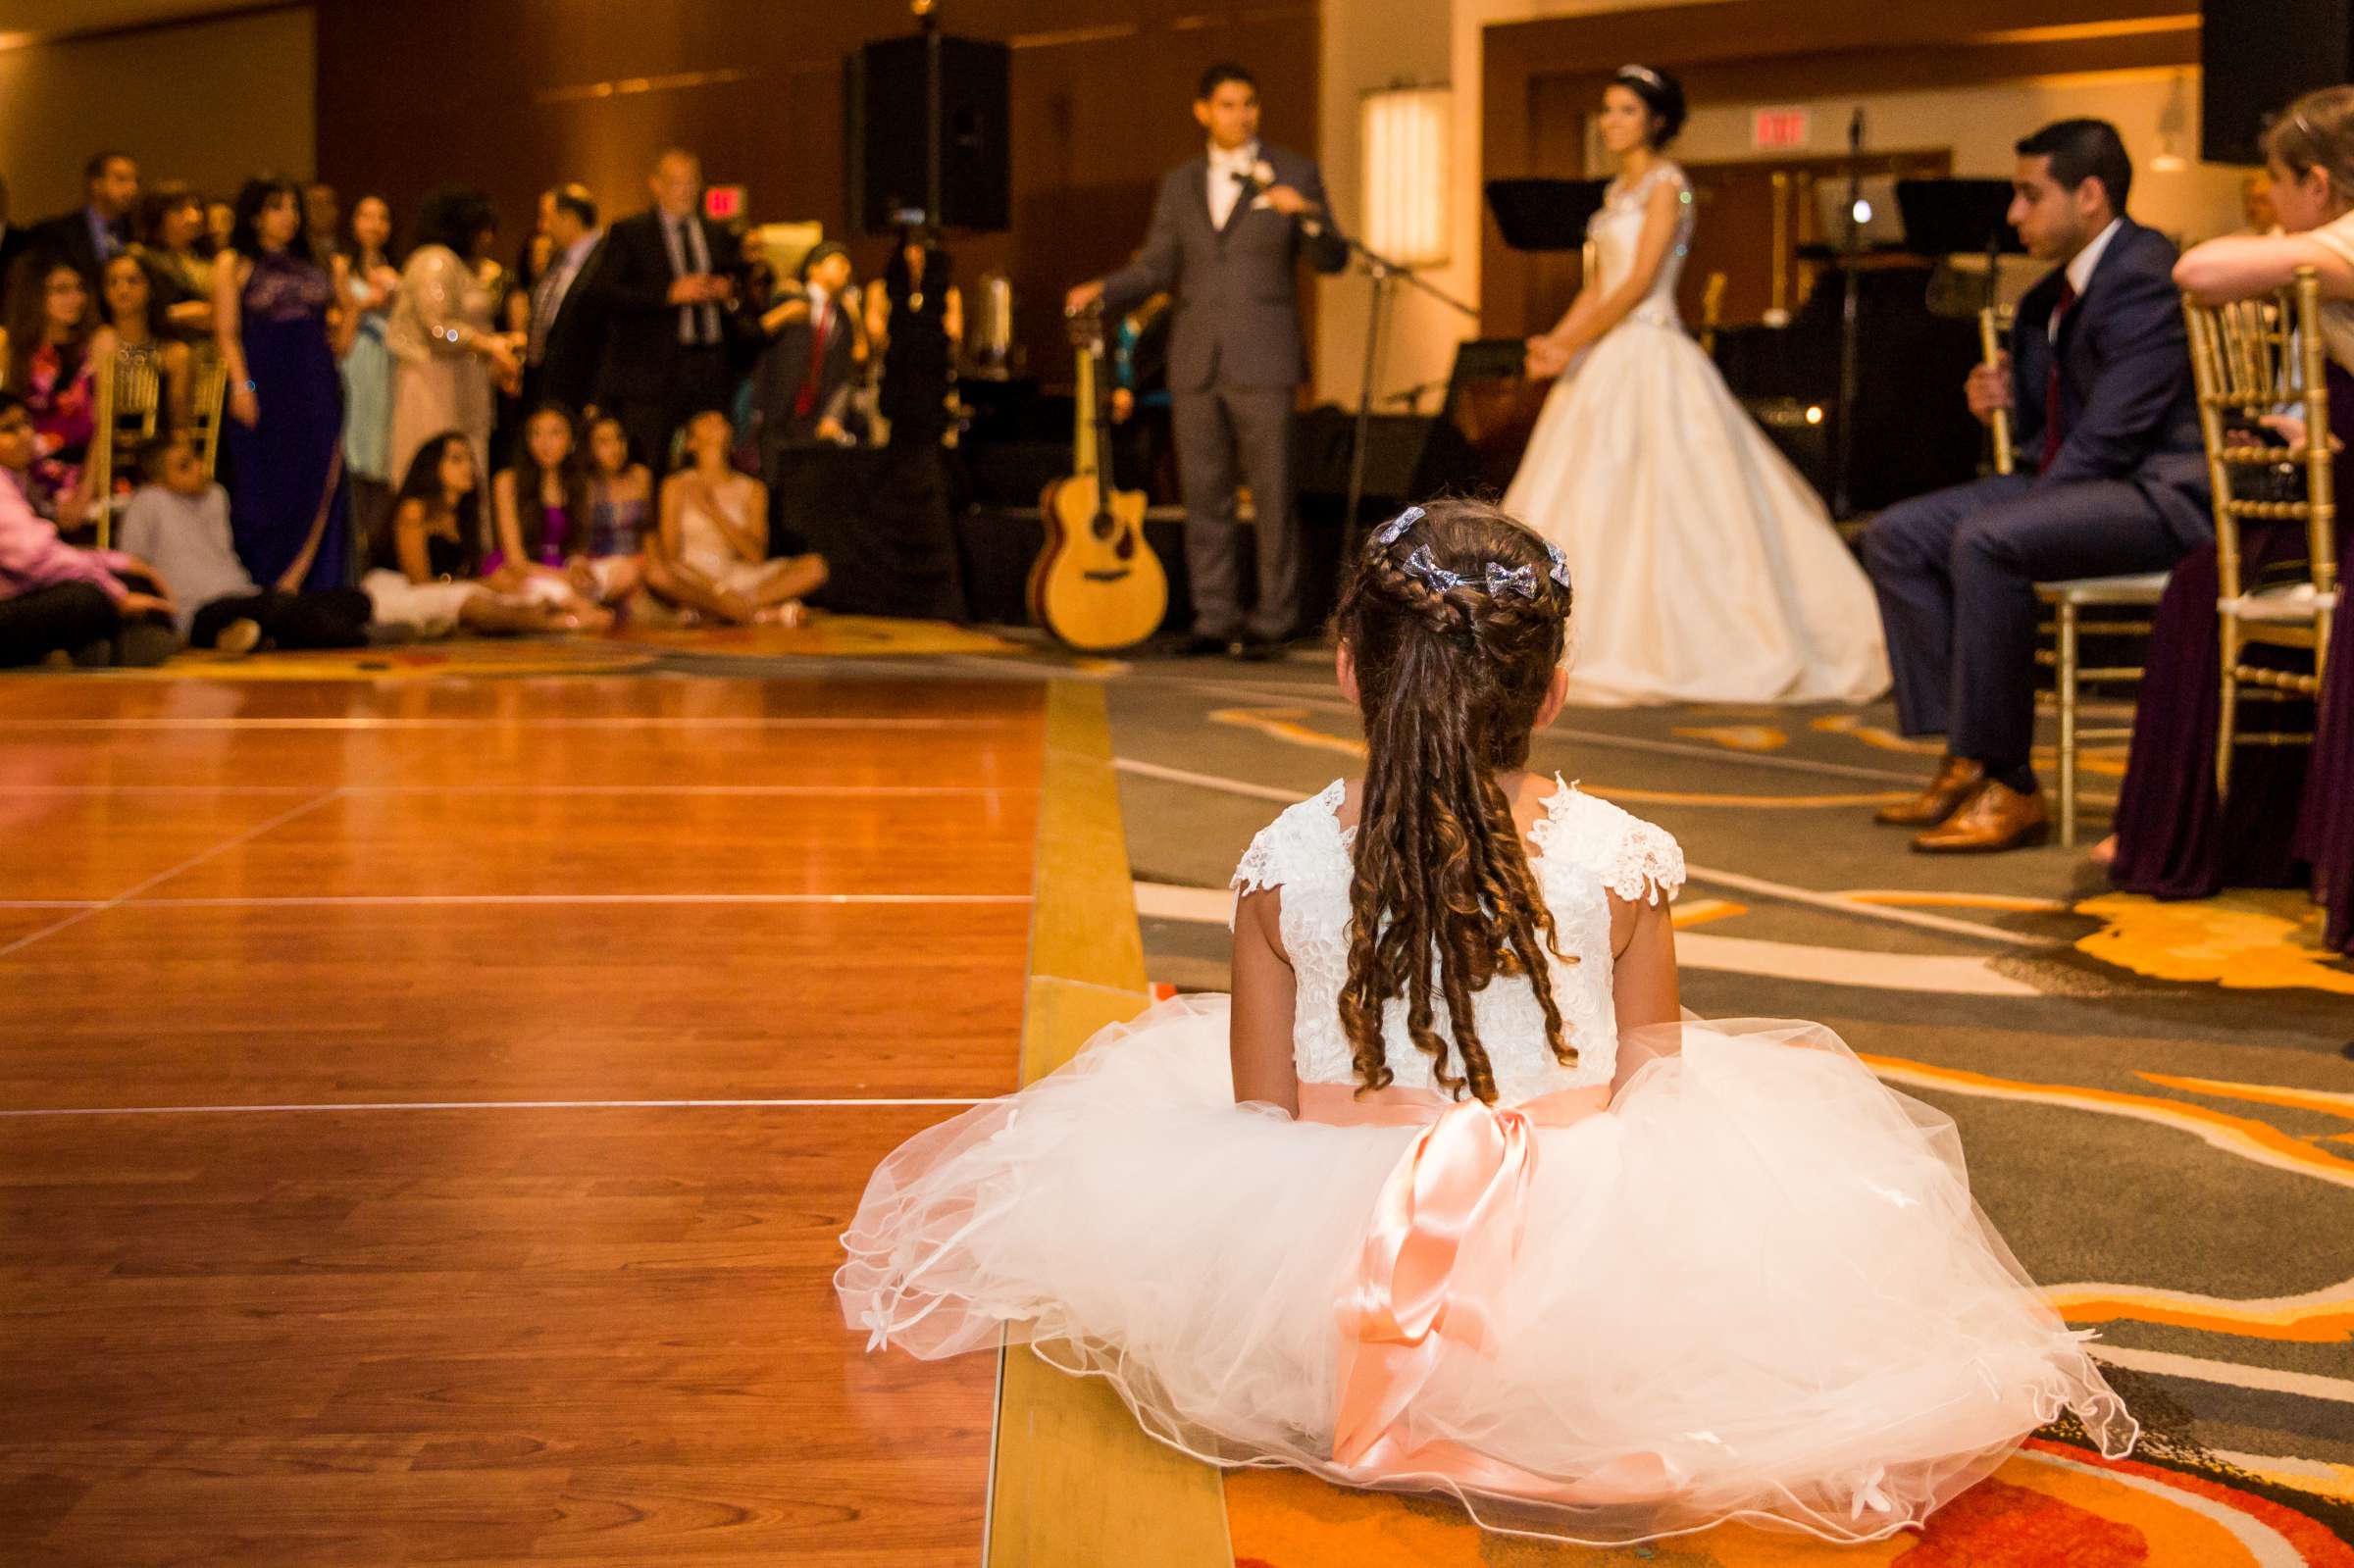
<point>1560,564</point>
<point>1425,567</point>
<point>1396,527</point>
<point>1520,579</point>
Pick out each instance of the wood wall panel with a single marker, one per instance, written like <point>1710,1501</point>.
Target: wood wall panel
<point>514,95</point>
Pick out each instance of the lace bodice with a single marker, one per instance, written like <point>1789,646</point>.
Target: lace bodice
<point>1616,231</point>
<point>1585,849</point>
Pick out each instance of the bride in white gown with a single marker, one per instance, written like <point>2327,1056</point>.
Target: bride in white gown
<point>1706,568</point>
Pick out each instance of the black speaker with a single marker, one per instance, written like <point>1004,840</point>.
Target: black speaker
<point>2257,54</point>
<point>1324,446</point>
<point>928,133</point>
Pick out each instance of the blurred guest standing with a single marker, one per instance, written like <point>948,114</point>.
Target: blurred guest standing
<point>282,326</point>
<point>442,334</point>
<point>565,335</point>
<point>372,281</point>
<point>86,237</point>
<point>668,308</point>
<point>171,243</point>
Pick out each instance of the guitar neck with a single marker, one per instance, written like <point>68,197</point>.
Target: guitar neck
<point>1084,438</point>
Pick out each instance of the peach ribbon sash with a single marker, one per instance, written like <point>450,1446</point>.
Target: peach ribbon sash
<point>1438,1252</point>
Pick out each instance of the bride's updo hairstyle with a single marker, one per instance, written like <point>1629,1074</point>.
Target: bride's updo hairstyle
<point>1661,93</point>
<point>1454,618</point>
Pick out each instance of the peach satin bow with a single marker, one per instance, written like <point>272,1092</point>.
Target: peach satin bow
<point>1438,1252</point>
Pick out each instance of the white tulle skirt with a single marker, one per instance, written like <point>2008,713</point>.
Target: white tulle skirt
<point>1705,569</point>
<point>1755,1287</point>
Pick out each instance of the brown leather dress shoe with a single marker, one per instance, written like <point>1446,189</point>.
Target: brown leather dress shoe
<point>1955,780</point>
<point>1996,816</point>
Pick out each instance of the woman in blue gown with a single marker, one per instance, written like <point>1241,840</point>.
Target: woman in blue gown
<point>282,324</point>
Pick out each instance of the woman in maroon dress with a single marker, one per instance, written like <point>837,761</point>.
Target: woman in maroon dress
<point>2289,818</point>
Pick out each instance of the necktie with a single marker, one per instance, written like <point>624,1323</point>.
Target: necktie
<point>805,403</point>
<point>706,318</point>
<point>2055,429</point>
<point>545,299</point>
<point>683,238</point>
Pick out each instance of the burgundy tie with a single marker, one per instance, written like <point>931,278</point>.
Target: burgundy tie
<point>805,403</point>
<point>2055,429</point>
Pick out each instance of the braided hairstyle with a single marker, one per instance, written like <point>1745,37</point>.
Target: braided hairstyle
<point>1450,679</point>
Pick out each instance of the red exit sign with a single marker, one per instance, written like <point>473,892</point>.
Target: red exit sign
<point>1777,127</point>
<point>723,203</point>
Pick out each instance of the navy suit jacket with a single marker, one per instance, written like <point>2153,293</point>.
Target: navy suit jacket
<point>1236,308</point>
<point>2128,409</point>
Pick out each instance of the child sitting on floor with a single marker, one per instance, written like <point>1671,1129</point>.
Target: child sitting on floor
<point>179,520</point>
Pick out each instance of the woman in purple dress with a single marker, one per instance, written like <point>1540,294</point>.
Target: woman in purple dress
<point>2289,818</point>
<point>283,324</point>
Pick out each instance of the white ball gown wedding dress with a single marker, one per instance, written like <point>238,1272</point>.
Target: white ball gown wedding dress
<point>1742,1280</point>
<point>1706,568</point>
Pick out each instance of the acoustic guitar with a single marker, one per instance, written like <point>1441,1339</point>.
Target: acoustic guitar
<point>1096,586</point>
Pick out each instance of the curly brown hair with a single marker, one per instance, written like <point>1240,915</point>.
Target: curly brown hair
<point>1449,679</point>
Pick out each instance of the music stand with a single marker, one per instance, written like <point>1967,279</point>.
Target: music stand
<point>1543,215</point>
<point>1958,217</point>
<point>1963,218</point>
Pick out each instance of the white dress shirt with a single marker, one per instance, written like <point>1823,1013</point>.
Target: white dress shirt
<point>2079,269</point>
<point>1224,189</point>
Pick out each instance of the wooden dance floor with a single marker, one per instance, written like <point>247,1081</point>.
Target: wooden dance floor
<point>431,1108</point>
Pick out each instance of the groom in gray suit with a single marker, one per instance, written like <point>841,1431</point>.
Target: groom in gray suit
<point>1228,229</point>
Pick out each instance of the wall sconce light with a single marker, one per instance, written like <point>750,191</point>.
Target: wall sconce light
<point>2173,123</point>
<point>1402,136</point>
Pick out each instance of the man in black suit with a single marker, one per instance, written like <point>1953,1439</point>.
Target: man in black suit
<point>2113,480</point>
<point>565,338</point>
<point>1228,231</point>
<point>91,235</point>
<point>669,310</point>
<point>802,387</point>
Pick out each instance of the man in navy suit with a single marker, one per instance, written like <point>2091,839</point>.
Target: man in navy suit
<point>1228,231</point>
<point>2111,479</point>
<point>94,233</point>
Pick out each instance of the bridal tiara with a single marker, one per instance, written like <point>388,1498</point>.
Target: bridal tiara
<point>1644,75</point>
<point>1495,578</point>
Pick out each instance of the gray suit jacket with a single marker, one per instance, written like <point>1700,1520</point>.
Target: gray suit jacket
<point>1236,319</point>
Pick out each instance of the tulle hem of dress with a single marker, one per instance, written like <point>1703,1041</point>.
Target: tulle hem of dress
<point>1755,1290</point>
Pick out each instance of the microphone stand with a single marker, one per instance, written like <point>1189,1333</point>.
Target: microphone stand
<point>1383,271</point>
<point>1844,457</point>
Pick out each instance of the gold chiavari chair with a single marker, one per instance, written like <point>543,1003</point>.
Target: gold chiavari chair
<point>1712,311</point>
<point>2253,358</point>
<point>207,373</point>
<point>130,396</point>
<point>2121,606</point>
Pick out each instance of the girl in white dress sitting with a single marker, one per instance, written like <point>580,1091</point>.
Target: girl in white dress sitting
<point>1711,570</point>
<point>1449,1196</point>
<point>709,554</point>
